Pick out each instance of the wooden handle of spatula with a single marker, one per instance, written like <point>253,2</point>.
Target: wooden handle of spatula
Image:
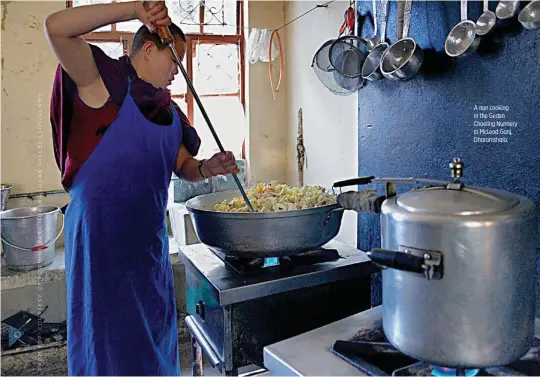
<point>163,31</point>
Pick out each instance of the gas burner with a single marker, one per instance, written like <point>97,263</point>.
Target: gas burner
<point>448,372</point>
<point>371,353</point>
<point>423,369</point>
<point>255,265</point>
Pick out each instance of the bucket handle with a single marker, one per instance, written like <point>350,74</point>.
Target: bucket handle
<point>35,248</point>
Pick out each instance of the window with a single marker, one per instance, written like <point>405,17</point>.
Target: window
<point>214,62</point>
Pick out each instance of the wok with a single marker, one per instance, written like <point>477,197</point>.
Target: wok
<point>262,234</point>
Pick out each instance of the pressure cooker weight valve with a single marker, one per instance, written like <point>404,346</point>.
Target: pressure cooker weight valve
<point>456,169</point>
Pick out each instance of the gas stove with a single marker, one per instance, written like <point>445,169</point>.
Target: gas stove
<point>237,306</point>
<point>357,346</point>
<point>371,353</point>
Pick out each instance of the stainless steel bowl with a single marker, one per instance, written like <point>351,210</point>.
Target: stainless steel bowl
<point>402,60</point>
<point>371,70</point>
<point>462,39</point>
<point>529,16</point>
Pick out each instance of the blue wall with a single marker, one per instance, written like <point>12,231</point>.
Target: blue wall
<point>415,128</point>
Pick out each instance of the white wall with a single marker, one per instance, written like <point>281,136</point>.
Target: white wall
<point>330,121</point>
<point>28,68</point>
<point>267,143</point>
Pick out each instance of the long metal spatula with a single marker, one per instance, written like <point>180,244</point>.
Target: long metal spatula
<point>168,40</point>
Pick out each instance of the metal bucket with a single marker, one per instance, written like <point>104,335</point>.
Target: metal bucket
<point>28,236</point>
<point>5,195</point>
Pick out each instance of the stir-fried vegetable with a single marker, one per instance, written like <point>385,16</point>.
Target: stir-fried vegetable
<point>278,197</point>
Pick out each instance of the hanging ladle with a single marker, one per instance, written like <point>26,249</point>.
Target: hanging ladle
<point>529,16</point>
<point>486,21</point>
<point>462,39</point>
<point>371,69</point>
<point>506,9</point>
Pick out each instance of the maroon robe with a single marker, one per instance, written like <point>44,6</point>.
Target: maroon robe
<point>154,104</point>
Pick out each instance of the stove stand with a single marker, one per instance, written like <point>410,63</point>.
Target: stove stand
<point>234,312</point>
<point>356,346</point>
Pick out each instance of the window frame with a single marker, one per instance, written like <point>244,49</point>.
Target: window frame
<point>192,40</point>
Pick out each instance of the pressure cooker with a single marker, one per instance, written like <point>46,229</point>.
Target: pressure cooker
<point>458,271</point>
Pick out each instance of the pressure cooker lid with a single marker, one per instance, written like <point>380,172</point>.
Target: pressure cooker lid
<point>465,202</point>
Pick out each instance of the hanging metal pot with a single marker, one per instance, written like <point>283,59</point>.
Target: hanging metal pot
<point>403,58</point>
<point>459,272</point>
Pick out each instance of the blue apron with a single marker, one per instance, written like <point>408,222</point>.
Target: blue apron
<point>121,312</point>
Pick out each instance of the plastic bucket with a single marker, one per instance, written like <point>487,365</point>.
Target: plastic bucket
<point>29,236</point>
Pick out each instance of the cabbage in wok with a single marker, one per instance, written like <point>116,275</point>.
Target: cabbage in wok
<point>278,197</point>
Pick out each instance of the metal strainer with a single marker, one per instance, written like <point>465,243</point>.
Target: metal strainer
<point>338,62</point>
<point>347,55</point>
<point>326,73</point>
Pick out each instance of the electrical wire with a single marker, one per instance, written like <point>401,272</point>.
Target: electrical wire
<point>324,5</point>
<point>305,13</point>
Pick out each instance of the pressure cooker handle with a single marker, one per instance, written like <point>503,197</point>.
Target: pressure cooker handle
<point>354,182</point>
<point>397,260</point>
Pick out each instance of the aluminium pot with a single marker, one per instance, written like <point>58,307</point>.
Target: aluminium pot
<point>262,234</point>
<point>459,273</point>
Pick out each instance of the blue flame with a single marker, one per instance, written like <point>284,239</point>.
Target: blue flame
<point>446,372</point>
<point>270,262</point>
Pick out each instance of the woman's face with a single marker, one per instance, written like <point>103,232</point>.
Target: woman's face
<point>162,65</point>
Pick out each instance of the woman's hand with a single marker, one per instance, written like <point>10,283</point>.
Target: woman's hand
<point>157,15</point>
<point>220,164</point>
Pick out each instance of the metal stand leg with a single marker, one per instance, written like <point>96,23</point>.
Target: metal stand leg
<point>196,358</point>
